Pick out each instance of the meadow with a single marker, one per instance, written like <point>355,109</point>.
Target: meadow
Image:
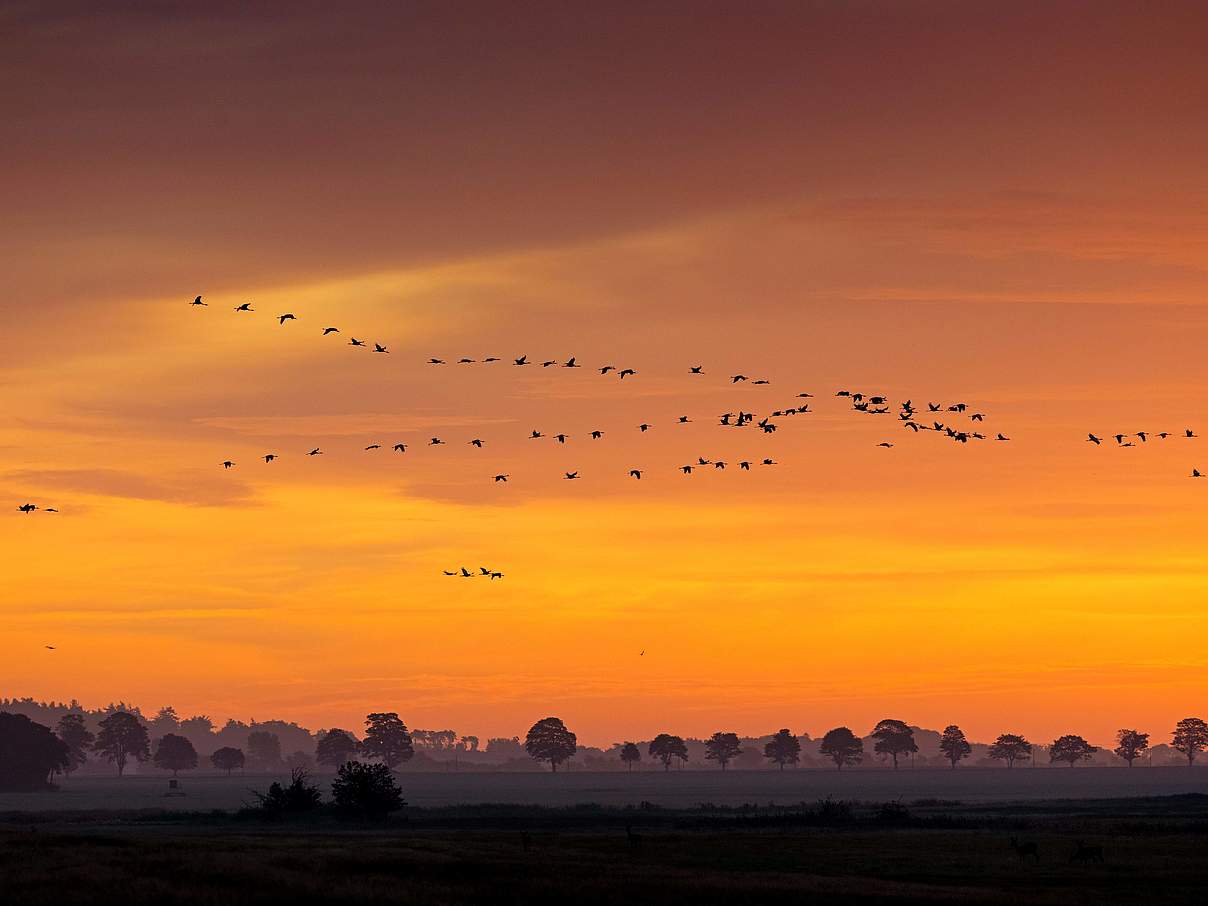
<point>674,789</point>
<point>924,851</point>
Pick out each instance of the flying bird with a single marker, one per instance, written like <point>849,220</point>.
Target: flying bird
<point>330,330</point>
<point>476,443</point>
<point>228,464</point>
<point>197,301</point>
<point>30,507</point>
<point>355,342</point>
<point>269,457</point>
<point>571,476</point>
<point>885,444</point>
<point>1094,440</point>
<point>626,372</point>
<point>49,647</point>
<point>246,306</point>
<point>738,377</point>
<point>399,448</point>
<point>560,438</point>
<point>596,435</point>
<point>281,319</point>
<point>571,363</point>
<point>644,427</point>
<point>523,360</point>
<point>608,368</point>
<point>697,369</point>
<point>315,452</point>
<point>436,361</point>
<point>499,478</point>
<point>1196,473</point>
<point>373,447</point>
<point>435,442</point>
<point>378,347</point>
<point>636,473</point>
<point>466,574</point>
<point>535,434</point>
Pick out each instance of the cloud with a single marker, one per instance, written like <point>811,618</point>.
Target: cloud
<point>189,487</point>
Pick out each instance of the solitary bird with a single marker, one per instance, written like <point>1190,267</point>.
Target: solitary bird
<point>436,441</point>
<point>499,478</point>
<point>571,363</point>
<point>228,464</point>
<point>355,342</point>
<point>523,360</point>
<point>697,369</point>
<point>571,476</point>
<point>476,443</point>
<point>644,427</point>
<point>436,361</point>
<point>30,507</point>
<point>885,443</point>
<point>373,447</point>
<point>1196,473</point>
<point>399,448</point>
<point>330,330</point>
<point>636,473</point>
<point>607,368</point>
<point>378,347</point>
<point>197,301</point>
<point>315,452</point>
<point>281,319</point>
<point>627,372</point>
<point>1094,440</point>
<point>269,457</point>
<point>738,377</point>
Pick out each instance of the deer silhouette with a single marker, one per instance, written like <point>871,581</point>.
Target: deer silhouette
<point>1023,850</point>
<point>1083,853</point>
<point>635,840</point>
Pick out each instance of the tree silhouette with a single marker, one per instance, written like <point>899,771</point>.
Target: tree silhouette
<point>122,737</point>
<point>228,758</point>
<point>953,744</point>
<point>366,791</point>
<point>1071,748</point>
<point>722,748</point>
<point>336,747</point>
<point>1130,744</point>
<point>264,749</point>
<point>386,737</point>
<point>842,746</point>
<point>1190,737</point>
<point>549,740</point>
<point>893,738</point>
<point>29,753</point>
<point>630,754</point>
<point>165,721</point>
<point>783,748</point>
<point>175,753</point>
<point>1010,747</point>
<point>78,739</point>
<point>665,747</point>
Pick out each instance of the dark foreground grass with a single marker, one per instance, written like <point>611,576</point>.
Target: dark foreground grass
<point>1155,850</point>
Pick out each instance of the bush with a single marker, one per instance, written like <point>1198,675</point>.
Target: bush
<point>281,802</point>
<point>366,791</point>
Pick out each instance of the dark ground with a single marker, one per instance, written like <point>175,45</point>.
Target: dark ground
<point>1155,850</point>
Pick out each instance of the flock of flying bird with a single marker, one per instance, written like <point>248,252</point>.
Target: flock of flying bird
<point>938,417</point>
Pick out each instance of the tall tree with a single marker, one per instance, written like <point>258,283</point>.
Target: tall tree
<point>1071,748</point>
<point>893,738</point>
<point>549,740</point>
<point>175,753</point>
<point>842,746</point>
<point>1130,744</point>
<point>666,747</point>
<point>165,721</point>
<point>228,758</point>
<point>29,753</point>
<point>1010,747</point>
<point>722,748</point>
<point>78,739</point>
<point>953,744</point>
<point>783,748</point>
<point>336,747</point>
<point>264,750</point>
<point>630,755</point>
<point>1190,737</point>
<point>386,737</point>
<point>122,737</point>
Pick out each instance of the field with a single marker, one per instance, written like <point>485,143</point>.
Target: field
<point>932,852</point>
<point>675,789</point>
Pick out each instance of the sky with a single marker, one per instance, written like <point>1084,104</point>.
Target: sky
<point>943,202</point>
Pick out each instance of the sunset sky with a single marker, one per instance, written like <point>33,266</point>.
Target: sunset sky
<point>934,201</point>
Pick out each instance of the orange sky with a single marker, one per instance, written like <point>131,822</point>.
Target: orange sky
<point>931,200</point>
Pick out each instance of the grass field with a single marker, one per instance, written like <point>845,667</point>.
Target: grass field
<point>1154,851</point>
<point>679,789</point>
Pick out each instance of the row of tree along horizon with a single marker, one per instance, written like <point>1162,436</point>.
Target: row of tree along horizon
<point>116,738</point>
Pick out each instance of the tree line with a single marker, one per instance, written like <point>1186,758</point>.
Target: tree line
<point>31,754</point>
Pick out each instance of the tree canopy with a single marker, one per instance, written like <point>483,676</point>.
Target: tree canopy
<point>77,737</point>
<point>722,748</point>
<point>666,747</point>
<point>29,753</point>
<point>1071,749</point>
<point>893,738</point>
<point>336,747</point>
<point>366,791</point>
<point>1130,744</point>
<point>228,758</point>
<point>1010,747</point>
<point>954,745</point>
<point>175,753</point>
<point>386,737</point>
<point>264,749</point>
<point>122,737</point>
<point>783,748</point>
<point>630,754</point>
<point>549,740</point>
<point>1190,737</point>
<point>842,746</point>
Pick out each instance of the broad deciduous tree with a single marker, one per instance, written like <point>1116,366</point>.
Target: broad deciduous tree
<point>336,747</point>
<point>386,737</point>
<point>893,738</point>
<point>954,745</point>
<point>1190,737</point>
<point>666,747</point>
<point>228,759</point>
<point>722,748</point>
<point>78,739</point>
<point>175,753</point>
<point>842,746</point>
<point>783,748</point>
<point>122,737</point>
<point>1010,747</point>
<point>630,754</point>
<point>549,740</point>
<point>1071,748</point>
<point>1130,744</point>
<point>29,753</point>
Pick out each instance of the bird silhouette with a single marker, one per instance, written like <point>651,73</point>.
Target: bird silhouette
<point>761,381</point>
<point>330,330</point>
<point>571,363</point>
<point>436,361</point>
<point>1189,433</point>
<point>448,572</point>
<point>281,319</point>
<point>523,360</point>
<point>627,372</point>
<point>644,427</point>
<point>769,462</point>
<point>355,342</point>
<point>608,368</point>
<point>1001,436</point>
<point>499,478</point>
<point>548,363</point>
<point>49,647</point>
<point>373,447</point>
<point>687,470</point>
<point>269,457</point>
<point>1196,473</point>
<point>465,361</point>
<point>198,301</point>
<point>596,435</point>
<point>399,448</point>
<point>246,306</point>
<point>636,473</point>
<point>683,420</point>
<point>738,377</point>
<point>315,452</point>
<point>745,466</point>
<point>536,434</point>
<point>884,443</point>
<point>496,575</point>
<point>378,347</point>
<point>560,438</point>
<point>434,442</point>
<point>476,443</point>
<point>697,369</point>
<point>466,574</point>
<point>1094,440</point>
<point>491,358</point>
<point>571,476</point>
<point>228,464</point>
<point>50,509</point>
<point>30,507</point>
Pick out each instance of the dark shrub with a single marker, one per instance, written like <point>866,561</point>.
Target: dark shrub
<point>366,791</point>
<point>281,802</point>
